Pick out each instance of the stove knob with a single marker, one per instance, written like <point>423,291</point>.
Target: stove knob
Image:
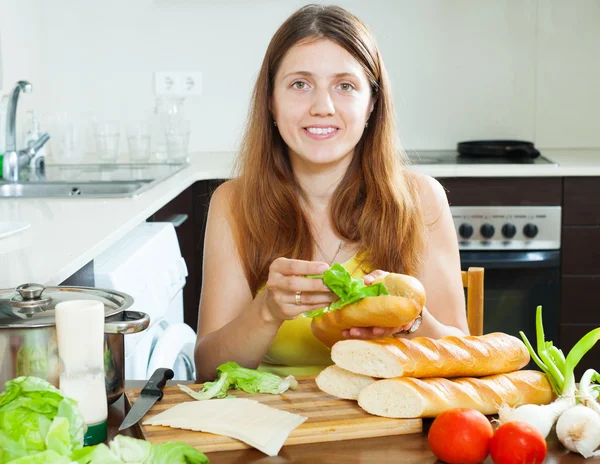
<point>487,230</point>
<point>530,230</point>
<point>465,230</point>
<point>509,230</point>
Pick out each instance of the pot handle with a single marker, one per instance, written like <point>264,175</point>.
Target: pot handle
<point>134,321</point>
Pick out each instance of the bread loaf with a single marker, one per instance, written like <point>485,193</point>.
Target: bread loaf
<point>472,356</point>
<point>401,306</point>
<point>409,398</point>
<point>339,382</point>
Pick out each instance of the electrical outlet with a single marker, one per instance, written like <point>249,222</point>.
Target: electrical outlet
<point>180,84</point>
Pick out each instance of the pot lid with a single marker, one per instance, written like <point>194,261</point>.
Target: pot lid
<point>32,305</point>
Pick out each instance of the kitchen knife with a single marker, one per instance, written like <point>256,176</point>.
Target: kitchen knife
<point>150,394</point>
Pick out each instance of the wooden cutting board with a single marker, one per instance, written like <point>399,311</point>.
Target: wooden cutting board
<point>329,418</point>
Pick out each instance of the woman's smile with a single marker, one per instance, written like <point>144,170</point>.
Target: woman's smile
<point>321,132</point>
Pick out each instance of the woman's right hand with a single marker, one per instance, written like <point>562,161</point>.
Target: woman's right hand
<point>287,278</point>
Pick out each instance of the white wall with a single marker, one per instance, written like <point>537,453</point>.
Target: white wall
<point>460,69</point>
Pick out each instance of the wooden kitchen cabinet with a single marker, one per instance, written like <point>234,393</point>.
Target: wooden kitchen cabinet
<point>580,281</point>
<point>581,249</point>
<point>579,304</point>
<point>503,191</point>
<point>582,201</point>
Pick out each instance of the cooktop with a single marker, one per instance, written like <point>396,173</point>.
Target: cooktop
<point>453,157</point>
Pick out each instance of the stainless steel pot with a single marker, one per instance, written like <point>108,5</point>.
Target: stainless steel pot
<point>28,344</point>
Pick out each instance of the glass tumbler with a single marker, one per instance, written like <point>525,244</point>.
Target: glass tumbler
<point>138,140</point>
<point>107,135</point>
<point>177,138</point>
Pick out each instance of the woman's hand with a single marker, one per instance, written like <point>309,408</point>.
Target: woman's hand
<point>367,333</point>
<point>289,293</point>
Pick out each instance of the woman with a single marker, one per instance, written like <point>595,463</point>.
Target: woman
<point>321,180</point>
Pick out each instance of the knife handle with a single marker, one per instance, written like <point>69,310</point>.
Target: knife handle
<point>156,383</point>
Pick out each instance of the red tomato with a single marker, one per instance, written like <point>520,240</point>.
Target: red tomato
<point>518,442</point>
<point>460,436</point>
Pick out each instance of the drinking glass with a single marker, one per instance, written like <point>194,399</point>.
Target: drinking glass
<point>177,138</point>
<point>138,139</point>
<point>107,135</point>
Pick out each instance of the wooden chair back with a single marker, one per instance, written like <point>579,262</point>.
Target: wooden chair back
<point>473,281</point>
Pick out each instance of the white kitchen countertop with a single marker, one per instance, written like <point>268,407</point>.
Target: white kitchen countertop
<point>66,234</point>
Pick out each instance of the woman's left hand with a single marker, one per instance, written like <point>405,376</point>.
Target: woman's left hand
<point>367,333</point>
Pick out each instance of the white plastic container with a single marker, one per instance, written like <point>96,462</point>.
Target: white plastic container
<point>80,334</point>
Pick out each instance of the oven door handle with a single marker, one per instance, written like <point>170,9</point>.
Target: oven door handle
<point>510,259</point>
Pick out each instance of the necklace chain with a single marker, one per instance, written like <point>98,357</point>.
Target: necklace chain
<point>334,256</point>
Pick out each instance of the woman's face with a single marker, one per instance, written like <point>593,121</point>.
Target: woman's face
<point>321,102</point>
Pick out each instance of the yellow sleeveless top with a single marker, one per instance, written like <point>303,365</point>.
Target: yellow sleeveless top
<point>295,350</point>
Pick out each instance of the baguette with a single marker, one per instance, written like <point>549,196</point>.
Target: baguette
<point>409,398</point>
<point>339,382</point>
<point>401,306</point>
<point>469,356</point>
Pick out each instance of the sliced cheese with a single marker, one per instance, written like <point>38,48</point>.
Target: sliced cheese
<point>254,423</point>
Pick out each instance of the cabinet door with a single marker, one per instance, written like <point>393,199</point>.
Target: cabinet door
<point>498,191</point>
<point>580,300</point>
<point>581,250</point>
<point>581,201</point>
<point>180,212</point>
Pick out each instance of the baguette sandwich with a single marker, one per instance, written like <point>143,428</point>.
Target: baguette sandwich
<point>422,357</point>
<point>403,303</point>
<point>406,397</point>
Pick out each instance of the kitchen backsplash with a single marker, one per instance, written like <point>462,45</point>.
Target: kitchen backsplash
<point>460,69</point>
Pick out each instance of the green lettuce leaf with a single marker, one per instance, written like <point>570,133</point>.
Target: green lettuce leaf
<point>45,457</point>
<point>348,289</point>
<point>176,453</point>
<point>231,376</point>
<point>58,438</point>
<point>28,409</point>
<point>125,449</point>
<point>217,389</point>
<point>130,450</point>
<point>253,381</point>
<point>98,454</point>
<point>38,425</point>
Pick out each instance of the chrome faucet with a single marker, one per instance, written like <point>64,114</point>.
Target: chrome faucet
<point>14,160</point>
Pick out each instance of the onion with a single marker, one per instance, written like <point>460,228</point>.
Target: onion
<point>578,429</point>
<point>542,417</point>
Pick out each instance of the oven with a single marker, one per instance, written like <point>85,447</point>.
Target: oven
<point>519,247</point>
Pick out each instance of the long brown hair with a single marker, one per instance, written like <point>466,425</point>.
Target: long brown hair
<point>375,204</point>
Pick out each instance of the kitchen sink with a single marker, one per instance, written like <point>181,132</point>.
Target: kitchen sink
<point>89,180</point>
<point>66,189</point>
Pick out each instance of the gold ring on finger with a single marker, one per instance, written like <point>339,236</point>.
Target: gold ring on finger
<point>298,296</point>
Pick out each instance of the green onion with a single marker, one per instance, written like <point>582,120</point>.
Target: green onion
<point>543,353</point>
<point>577,352</point>
<point>557,356</point>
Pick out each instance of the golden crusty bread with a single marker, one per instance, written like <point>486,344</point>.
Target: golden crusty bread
<point>406,397</point>
<point>451,356</point>
<point>403,304</point>
<point>403,285</point>
<point>339,382</point>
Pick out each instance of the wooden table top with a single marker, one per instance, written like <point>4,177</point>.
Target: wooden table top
<point>407,449</point>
